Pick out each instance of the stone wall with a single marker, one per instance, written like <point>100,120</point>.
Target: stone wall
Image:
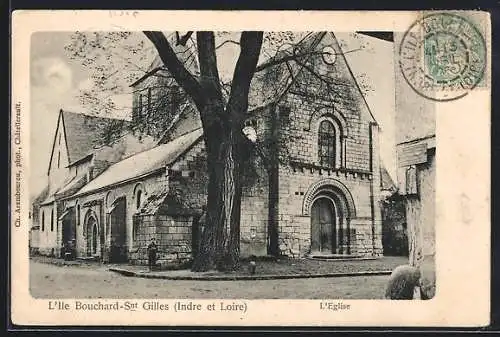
<point>420,216</point>
<point>356,167</point>
<point>295,222</point>
<point>100,202</point>
<point>48,233</point>
<point>173,237</point>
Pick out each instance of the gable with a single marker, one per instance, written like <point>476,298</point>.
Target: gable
<point>59,152</point>
<point>84,133</point>
<point>330,80</point>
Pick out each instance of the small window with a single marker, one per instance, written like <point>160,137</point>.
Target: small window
<point>78,215</point>
<point>326,144</point>
<point>138,200</point>
<point>58,159</point>
<point>43,221</point>
<point>52,220</point>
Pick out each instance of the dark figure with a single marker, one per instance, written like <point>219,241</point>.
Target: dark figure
<point>402,283</point>
<point>152,250</point>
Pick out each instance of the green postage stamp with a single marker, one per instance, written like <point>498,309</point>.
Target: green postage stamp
<point>443,56</point>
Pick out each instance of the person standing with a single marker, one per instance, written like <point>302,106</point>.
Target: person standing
<point>152,251</point>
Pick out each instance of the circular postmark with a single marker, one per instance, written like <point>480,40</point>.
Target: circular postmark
<point>442,56</point>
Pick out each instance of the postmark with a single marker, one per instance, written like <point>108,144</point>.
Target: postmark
<point>443,56</point>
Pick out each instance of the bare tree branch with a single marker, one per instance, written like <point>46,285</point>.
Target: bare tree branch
<point>227,41</point>
<point>182,40</point>
<point>183,77</point>
<point>209,73</point>
<point>250,45</point>
<point>295,57</point>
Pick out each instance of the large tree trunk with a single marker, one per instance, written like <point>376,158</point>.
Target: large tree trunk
<point>223,139</point>
<point>220,244</point>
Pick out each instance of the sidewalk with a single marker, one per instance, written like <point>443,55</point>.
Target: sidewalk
<point>265,270</point>
<point>281,269</point>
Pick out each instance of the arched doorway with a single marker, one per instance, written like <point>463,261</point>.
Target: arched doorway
<point>323,226</point>
<point>118,227</point>
<point>330,206</point>
<point>92,236</point>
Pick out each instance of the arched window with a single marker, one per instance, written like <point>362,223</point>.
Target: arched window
<point>326,144</point>
<point>138,199</point>
<point>52,220</point>
<point>43,221</point>
<point>78,215</point>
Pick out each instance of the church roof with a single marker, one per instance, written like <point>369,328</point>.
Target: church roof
<point>41,196</point>
<point>72,186</point>
<point>143,163</point>
<point>386,181</point>
<point>83,133</point>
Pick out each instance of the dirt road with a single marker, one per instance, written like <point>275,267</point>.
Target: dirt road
<point>49,281</point>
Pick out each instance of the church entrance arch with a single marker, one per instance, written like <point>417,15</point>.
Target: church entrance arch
<point>92,231</point>
<point>330,207</point>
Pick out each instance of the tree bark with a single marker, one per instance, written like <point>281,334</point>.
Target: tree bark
<point>222,127</point>
<point>220,240</point>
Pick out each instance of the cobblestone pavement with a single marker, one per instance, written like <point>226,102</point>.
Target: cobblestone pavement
<point>51,281</point>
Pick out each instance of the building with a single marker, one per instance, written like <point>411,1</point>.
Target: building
<point>312,185</point>
<point>416,150</point>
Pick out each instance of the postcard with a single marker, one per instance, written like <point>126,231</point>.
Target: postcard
<point>250,168</point>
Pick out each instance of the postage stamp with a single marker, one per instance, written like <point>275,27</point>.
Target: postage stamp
<point>249,168</point>
<point>443,56</point>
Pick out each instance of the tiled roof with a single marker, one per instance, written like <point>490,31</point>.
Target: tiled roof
<point>124,147</point>
<point>72,186</point>
<point>41,196</point>
<point>84,133</point>
<point>143,163</point>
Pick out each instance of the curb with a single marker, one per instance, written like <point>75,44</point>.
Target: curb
<point>340,259</point>
<point>63,263</point>
<point>129,273</point>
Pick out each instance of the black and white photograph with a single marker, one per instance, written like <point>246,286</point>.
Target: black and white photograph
<point>243,164</point>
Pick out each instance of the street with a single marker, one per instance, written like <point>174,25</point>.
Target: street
<point>50,281</point>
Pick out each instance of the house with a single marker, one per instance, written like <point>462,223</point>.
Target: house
<point>416,157</point>
<point>77,156</point>
<point>311,187</point>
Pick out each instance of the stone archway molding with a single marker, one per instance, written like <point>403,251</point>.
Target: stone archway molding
<point>332,113</point>
<point>326,185</point>
<point>88,215</point>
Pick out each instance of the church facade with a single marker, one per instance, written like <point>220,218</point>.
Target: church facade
<point>313,186</point>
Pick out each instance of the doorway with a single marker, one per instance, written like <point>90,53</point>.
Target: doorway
<point>323,226</point>
<point>92,236</point>
<point>118,227</point>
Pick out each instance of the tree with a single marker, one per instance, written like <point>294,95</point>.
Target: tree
<point>222,106</point>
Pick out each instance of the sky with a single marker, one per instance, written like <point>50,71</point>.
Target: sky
<point>56,81</point>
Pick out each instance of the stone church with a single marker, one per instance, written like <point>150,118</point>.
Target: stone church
<point>319,195</point>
